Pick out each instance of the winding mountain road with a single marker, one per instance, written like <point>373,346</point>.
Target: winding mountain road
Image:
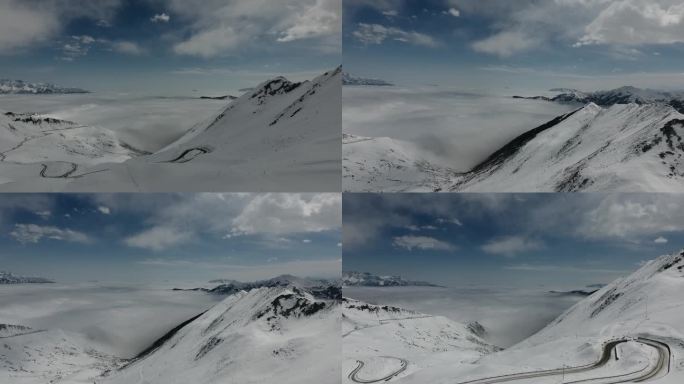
<point>353,375</point>
<point>662,366</point>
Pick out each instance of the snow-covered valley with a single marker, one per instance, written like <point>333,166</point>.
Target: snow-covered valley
<point>628,331</point>
<point>281,136</point>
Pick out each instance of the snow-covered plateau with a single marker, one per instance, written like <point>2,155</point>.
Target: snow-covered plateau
<point>280,137</point>
<point>628,331</point>
<point>278,334</point>
<point>632,147</point>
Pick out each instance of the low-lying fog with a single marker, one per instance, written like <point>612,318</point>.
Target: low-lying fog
<point>458,130</point>
<point>147,123</point>
<point>509,315</point>
<point>124,319</point>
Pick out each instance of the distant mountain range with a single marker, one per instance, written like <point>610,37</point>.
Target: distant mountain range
<point>365,279</point>
<point>8,278</point>
<point>622,95</point>
<point>23,87</point>
<point>348,79</point>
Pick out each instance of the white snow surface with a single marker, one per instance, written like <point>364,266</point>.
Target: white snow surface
<point>382,336</point>
<point>281,137</point>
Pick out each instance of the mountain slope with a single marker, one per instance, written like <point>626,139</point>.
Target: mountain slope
<point>282,136</point>
<point>626,147</point>
<point>266,335</point>
<point>392,342</point>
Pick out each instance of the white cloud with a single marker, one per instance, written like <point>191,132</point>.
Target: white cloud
<point>280,214</point>
<point>104,210</point>
<point>511,245</point>
<point>660,240</point>
<point>454,12</point>
<point>422,243</point>
<point>391,13</point>
<point>31,233</point>
<point>222,27</point>
<point>506,43</point>
<point>637,22</point>
<point>127,48</point>
<point>160,18</point>
<point>306,241</point>
<point>322,19</point>
<point>24,24</point>
<point>43,214</point>
<point>159,238</point>
<point>377,34</point>
<point>450,221</point>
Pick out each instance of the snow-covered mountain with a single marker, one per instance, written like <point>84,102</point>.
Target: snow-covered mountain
<point>23,87</point>
<point>9,278</point>
<point>365,279</point>
<point>323,289</point>
<point>628,331</point>
<point>282,136</point>
<point>348,79</point>
<point>625,147</point>
<point>389,343</point>
<point>266,335</point>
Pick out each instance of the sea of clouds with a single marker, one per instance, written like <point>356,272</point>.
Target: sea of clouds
<point>510,315</point>
<point>456,129</point>
<point>123,319</point>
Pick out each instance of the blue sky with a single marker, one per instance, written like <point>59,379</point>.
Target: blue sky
<point>495,45</point>
<point>159,237</point>
<point>167,46</point>
<point>559,241</point>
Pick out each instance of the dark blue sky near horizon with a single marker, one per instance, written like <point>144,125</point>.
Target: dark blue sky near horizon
<point>496,45</point>
<point>146,238</point>
<point>167,46</point>
<point>558,241</point>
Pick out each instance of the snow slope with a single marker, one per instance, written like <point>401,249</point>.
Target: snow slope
<point>280,137</point>
<point>51,356</point>
<point>389,165</point>
<point>626,148</point>
<point>266,335</point>
<point>387,339</point>
<point>622,148</point>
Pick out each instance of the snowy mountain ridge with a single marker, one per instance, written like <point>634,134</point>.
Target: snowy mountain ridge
<point>266,335</point>
<point>365,279</point>
<point>23,87</point>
